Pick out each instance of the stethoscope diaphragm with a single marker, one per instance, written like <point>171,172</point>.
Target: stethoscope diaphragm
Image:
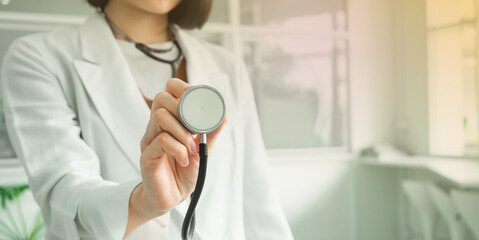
<point>202,109</point>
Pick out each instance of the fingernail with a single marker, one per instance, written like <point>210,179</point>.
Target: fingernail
<point>193,147</point>
<point>185,163</point>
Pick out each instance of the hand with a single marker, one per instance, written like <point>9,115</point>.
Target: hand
<point>169,161</point>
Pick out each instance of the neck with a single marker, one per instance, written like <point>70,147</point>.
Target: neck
<point>147,28</point>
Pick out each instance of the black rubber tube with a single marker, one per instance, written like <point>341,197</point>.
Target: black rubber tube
<point>188,227</point>
<point>144,49</point>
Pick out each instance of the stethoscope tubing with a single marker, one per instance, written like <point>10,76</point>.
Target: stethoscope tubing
<point>188,227</point>
<point>142,48</point>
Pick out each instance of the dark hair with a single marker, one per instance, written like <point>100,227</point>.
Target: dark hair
<point>187,14</point>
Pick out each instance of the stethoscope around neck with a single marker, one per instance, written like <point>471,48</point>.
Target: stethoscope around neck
<point>202,110</point>
<point>148,51</point>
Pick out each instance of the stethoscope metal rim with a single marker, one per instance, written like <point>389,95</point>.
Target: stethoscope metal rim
<point>186,124</point>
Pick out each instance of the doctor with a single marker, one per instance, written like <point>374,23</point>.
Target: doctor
<point>93,121</point>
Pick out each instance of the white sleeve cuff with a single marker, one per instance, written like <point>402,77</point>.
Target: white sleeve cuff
<point>103,211</point>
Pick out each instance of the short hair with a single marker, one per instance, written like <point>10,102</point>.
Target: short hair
<point>188,14</point>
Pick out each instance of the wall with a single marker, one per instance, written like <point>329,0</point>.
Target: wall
<point>316,194</point>
<point>372,107</point>
<point>371,35</point>
<point>411,79</point>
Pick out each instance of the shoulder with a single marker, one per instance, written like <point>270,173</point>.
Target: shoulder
<point>223,57</point>
<point>60,36</point>
<point>45,54</point>
<point>219,52</point>
<point>46,44</point>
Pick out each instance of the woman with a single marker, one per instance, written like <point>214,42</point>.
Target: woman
<point>94,122</point>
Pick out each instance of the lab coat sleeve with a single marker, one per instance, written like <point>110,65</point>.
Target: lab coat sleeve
<point>264,217</point>
<point>63,171</point>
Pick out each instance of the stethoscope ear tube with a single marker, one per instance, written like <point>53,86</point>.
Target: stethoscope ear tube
<point>188,227</point>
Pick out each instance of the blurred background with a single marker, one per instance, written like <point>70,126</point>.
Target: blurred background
<point>369,111</point>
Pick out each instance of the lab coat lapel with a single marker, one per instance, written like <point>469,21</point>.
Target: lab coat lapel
<point>199,63</point>
<point>111,87</point>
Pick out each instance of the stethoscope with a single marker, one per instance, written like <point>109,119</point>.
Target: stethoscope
<point>202,110</point>
<point>148,50</point>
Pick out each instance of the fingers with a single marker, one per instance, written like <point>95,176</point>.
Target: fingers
<point>165,100</point>
<point>163,121</point>
<point>166,121</point>
<point>176,87</point>
<point>165,143</point>
<point>164,117</point>
<point>161,100</point>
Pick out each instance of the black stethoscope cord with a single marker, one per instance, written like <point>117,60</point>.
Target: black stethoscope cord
<point>188,227</point>
<point>142,48</point>
<point>148,50</point>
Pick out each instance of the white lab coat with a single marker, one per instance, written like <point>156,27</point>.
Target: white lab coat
<point>75,117</point>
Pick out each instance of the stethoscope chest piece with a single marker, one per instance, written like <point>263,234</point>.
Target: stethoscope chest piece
<point>201,109</point>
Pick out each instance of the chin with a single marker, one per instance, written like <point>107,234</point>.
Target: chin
<point>158,6</point>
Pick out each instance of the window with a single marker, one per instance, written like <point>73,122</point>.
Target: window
<point>297,55</point>
<point>452,80</point>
